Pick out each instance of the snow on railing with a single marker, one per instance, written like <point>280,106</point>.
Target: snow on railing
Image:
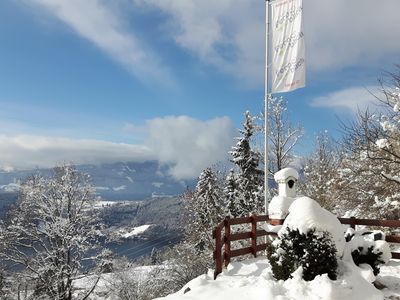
<point>224,239</point>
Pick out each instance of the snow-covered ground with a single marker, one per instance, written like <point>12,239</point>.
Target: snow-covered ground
<point>135,231</point>
<point>252,280</point>
<point>105,287</point>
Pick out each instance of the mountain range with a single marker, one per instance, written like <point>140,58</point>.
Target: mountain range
<point>115,181</point>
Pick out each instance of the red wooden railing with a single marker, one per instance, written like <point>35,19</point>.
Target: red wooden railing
<point>224,239</point>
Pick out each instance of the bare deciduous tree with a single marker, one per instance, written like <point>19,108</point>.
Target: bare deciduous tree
<point>321,173</point>
<point>282,135</point>
<point>372,143</point>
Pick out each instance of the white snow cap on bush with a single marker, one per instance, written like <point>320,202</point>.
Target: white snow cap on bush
<point>285,173</point>
<point>279,207</point>
<point>306,214</point>
<point>383,246</point>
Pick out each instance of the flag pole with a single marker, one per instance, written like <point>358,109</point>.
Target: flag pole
<point>266,100</point>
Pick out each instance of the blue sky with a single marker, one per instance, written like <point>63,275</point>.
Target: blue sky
<point>99,81</point>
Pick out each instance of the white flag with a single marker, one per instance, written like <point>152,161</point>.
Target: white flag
<point>287,49</point>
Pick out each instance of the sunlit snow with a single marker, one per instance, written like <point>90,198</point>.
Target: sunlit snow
<point>252,280</point>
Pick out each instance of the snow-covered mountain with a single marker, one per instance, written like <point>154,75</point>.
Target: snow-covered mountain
<point>116,181</point>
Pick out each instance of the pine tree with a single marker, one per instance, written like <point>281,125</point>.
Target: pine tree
<point>249,181</point>
<point>205,210</point>
<point>232,194</point>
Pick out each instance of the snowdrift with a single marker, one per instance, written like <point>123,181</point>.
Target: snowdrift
<point>252,280</point>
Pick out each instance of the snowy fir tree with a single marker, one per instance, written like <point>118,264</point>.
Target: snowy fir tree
<point>52,230</point>
<point>205,209</point>
<point>234,203</point>
<point>249,179</point>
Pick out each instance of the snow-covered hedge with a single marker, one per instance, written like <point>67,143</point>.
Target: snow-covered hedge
<point>310,238</point>
<point>366,250</point>
<point>314,252</point>
<point>313,239</point>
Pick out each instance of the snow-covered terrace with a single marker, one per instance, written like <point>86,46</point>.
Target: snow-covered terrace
<point>252,280</point>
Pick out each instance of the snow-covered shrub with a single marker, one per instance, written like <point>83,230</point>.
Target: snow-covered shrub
<point>306,214</point>
<point>180,264</point>
<point>314,251</point>
<point>365,250</point>
<point>367,256</point>
<point>125,286</point>
<point>311,238</point>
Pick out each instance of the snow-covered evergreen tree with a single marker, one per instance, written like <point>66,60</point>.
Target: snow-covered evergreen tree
<point>52,230</point>
<point>232,195</point>
<point>206,209</point>
<point>249,179</point>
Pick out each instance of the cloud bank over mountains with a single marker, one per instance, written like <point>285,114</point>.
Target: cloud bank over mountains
<point>188,145</point>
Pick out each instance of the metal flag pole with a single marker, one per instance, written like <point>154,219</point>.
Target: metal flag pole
<point>266,101</point>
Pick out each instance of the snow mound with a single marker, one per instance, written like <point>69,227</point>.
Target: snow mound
<point>306,214</point>
<point>362,242</point>
<point>283,174</point>
<point>279,207</point>
<point>384,248</point>
<point>252,280</point>
<point>134,232</point>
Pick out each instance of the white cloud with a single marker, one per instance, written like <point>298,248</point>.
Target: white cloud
<point>28,151</point>
<point>188,145</point>
<point>352,99</point>
<point>229,34</point>
<point>101,25</point>
<point>343,33</point>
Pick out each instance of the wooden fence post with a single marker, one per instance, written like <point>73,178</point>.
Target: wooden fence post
<point>217,253</point>
<point>353,222</point>
<point>227,242</point>
<point>254,235</point>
